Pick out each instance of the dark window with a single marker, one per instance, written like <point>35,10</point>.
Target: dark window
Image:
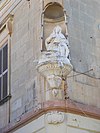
<point>5,85</point>
<point>5,59</point>
<point>3,72</point>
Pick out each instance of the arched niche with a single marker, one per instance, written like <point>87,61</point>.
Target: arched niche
<point>53,15</point>
<point>53,12</point>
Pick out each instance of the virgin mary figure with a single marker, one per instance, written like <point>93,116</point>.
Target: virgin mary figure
<point>57,42</point>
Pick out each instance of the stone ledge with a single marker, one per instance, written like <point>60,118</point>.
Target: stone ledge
<point>67,106</point>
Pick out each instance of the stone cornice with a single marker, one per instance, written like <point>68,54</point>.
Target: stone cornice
<point>6,8</point>
<point>68,106</point>
<point>3,4</point>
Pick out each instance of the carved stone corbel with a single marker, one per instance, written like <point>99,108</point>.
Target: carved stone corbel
<point>9,24</point>
<point>54,63</point>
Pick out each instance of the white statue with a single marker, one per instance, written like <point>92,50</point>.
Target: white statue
<point>57,42</point>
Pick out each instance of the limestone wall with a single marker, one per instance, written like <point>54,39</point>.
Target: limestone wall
<point>27,85</point>
<point>84,37</point>
<point>25,50</point>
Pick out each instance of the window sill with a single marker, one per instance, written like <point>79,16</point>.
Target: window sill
<point>5,99</point>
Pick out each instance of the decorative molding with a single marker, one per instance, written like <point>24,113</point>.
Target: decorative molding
<point>49,2</point>
<point>68,106</point>
<point>54,81</point>
<point>9,24</point>
<point>54,20</point>
<point>7,9</point>
<point>55,92</point>
<point>55,117</point>
<point>3,3</point>
<point>6,29</point>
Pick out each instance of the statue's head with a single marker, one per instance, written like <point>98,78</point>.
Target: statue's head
<point>57,29</point>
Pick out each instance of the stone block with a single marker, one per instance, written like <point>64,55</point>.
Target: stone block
<point>17,104</point>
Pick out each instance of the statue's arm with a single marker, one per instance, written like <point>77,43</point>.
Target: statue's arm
<point>50,38</point>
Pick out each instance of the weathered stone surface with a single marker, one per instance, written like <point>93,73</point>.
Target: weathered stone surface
<point>84,39</point>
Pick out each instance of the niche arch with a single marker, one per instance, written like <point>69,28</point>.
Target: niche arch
<point>53,12</point>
